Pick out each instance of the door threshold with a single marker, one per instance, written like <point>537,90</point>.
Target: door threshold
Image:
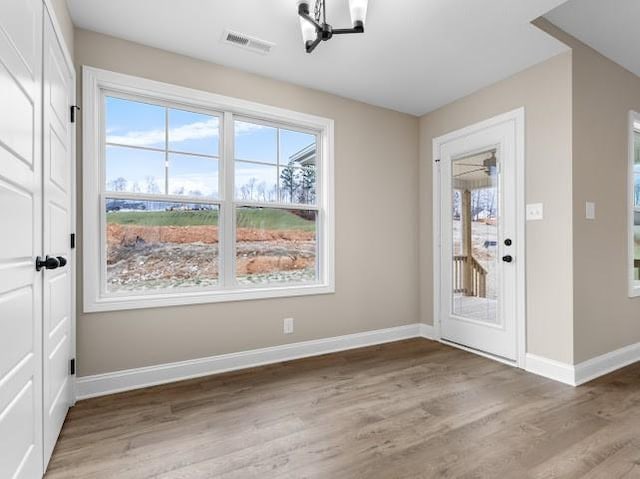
<point>500,359</point>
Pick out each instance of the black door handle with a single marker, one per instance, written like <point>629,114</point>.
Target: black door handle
<point>507,259</point>
<point>50,262</point>
<point>62,260</point>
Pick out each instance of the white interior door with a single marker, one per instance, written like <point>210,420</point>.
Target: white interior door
<point>58,217</point>
<point>20,239</point>
<point>479,238</point>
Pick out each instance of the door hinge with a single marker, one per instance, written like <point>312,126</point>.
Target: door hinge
<point>73,240</point>
<point>73,112</point>
<point>72,366</point>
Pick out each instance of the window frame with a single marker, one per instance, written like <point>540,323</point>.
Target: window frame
<point>97,84</point>
<point>633,284</point>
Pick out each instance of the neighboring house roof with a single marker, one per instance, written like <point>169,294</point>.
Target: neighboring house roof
<point>306,156</point>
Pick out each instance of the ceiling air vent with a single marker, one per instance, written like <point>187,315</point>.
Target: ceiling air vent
<point>248,43</point>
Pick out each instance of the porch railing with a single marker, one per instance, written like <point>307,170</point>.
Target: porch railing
<point>477,278</point>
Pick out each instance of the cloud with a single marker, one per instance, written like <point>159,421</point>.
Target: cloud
<point>205,183</point>
<point>199,130</point>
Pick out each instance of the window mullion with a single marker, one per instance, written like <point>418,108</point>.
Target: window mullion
<point>166,151</point>
<point>227,235</point>
<point>278,194</point>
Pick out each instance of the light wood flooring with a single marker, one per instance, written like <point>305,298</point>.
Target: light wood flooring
<point>410,409</point>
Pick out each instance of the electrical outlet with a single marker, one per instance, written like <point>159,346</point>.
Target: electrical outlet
<point>535,211</point>
<point>288,325</point>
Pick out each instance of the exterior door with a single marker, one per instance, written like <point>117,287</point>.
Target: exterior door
<point>478,275</point>
<point>58,217</point>
<point>20,239</point>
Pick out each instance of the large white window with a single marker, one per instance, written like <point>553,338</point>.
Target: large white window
<point>191,197</point>
<point>634,204</point>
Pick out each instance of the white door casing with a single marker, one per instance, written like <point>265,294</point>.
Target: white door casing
<point>20,239</point>
<point>503,338</point>
<point>58,222</point>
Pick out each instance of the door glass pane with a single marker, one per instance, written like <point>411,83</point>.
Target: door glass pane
<point>159,245</point>
<point>275,246</point>
<point>475,200</point>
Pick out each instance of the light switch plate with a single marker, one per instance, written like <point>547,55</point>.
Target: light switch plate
<point>590,210</point>
<point>535,211</point>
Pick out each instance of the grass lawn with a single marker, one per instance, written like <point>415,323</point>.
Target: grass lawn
<point>271,219</point>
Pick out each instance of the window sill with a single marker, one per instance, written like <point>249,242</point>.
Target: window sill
<point>204,297</point>
<point>634,289</point>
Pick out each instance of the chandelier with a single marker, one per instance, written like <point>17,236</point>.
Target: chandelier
<point>315,28</point>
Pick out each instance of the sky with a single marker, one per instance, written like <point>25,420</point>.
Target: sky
<point>143,125</point>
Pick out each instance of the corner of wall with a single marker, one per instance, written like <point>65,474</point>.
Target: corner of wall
<point>602,93</point>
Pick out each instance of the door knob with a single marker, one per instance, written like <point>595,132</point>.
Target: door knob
<point>62,260</point>
<point>507,259</point>
<point>50,262</point>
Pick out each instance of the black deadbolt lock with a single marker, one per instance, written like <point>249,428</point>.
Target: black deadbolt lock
<point>508,242</point>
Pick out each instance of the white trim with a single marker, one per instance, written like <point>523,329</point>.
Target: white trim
<point>94,82</point>
<point>551,369</point>
<point>493,357</point>
<point>437,238</point>
<point>115,303</point>
<point>126,380</point>
<point>74,227</point>
<point>109,383</point>
<point>518,117</point>
<point>634,286</point>
<point>521,231</point>
<point>63,41</point>
<point>427,331</point>
<point>585,371</point>
<point>606,363</point>
<point>68,58</point>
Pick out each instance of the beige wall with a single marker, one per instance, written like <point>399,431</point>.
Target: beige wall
<point>545,92</point>
<point>376,159</point>
<point>61,12</point>
<point>605,318</point>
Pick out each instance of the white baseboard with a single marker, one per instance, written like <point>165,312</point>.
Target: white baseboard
<point>609,362</point>
<point>585,371</point>
<point>109,383</point>
<point>427,331</point>
<point>550,368</point>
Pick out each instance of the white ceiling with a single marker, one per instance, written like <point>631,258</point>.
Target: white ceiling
<point>415,56</point>
<point>610,27</point>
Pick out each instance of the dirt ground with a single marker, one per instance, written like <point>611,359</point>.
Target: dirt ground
<point>118,234</point>
<point>152,257</point>
<point>480,232</point>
